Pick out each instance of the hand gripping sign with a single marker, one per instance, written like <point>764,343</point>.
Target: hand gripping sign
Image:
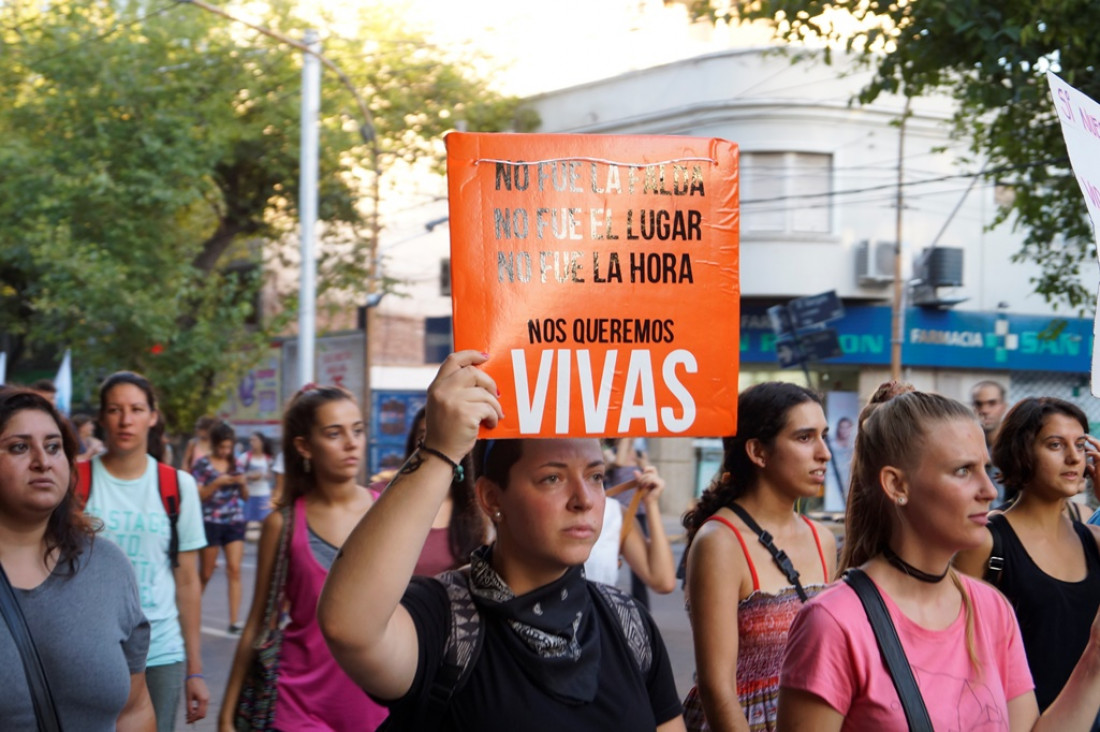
<point>600,272</point>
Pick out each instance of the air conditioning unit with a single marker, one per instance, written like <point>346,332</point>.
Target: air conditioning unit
<point>935,268</point>
<point>875,263</point>
<point>940,267</point>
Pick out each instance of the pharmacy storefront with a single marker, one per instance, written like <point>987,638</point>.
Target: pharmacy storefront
<point>942,350</point>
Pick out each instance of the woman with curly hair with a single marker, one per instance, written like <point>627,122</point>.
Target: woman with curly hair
<point>742,593</point>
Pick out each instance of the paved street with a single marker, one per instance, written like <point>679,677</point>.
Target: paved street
<point>219,646</point>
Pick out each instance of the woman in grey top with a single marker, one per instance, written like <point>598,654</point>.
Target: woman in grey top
<point>79,596</point>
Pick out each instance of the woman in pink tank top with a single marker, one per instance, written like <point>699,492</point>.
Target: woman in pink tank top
<point>323,442</point>
<point>740,601</point>
<point>459,526</point>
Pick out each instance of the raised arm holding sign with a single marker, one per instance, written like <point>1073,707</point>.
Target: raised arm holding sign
<point>554,651</point>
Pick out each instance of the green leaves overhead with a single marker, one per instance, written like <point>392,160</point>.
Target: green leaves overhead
<point>991,55</point>
<point>150,176</point>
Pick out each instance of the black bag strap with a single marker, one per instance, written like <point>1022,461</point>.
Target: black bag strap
<point>276,594</point>
<point>996,563</point>
<point>781,559</point>
<point>916,714</point>
<point>45,711</point>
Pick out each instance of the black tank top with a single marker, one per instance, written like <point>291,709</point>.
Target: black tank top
<point>1055,616</point>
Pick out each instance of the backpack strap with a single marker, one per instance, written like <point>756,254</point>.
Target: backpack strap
<point>168,484</point>
<point>996,564</point>
<point>463,646</point>
<point>630,622</point>
<point>83,482</point>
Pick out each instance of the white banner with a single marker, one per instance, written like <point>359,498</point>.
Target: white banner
<point>1080,117</point>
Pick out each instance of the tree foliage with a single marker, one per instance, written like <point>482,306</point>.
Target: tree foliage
<point>150,176</point>
<point>991,56</point>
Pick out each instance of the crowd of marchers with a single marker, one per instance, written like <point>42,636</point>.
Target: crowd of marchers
<point>474,587</point>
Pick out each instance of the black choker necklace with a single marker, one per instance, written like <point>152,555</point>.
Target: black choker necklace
<point>912,571</point>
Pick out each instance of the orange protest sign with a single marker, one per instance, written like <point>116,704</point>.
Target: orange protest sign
<point>600,272</point>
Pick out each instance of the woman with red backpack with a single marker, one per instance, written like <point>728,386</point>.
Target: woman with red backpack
<point>125,493</point>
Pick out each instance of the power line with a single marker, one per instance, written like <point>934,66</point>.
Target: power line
<point>880,198</point>
<point>906,184</point>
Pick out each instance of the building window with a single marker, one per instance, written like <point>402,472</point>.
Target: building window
<point>445,277</point>
<point>438,339</point>
<point>786,192</point>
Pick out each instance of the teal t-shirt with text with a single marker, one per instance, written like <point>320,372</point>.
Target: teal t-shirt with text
<point>134,518</point>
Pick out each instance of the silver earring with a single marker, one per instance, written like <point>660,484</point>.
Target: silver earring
<point>305,464</point>
<point>902,500</point>
<point>497,516</point>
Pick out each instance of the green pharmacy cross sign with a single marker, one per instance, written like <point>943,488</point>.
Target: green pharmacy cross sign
<point>1001,340</point>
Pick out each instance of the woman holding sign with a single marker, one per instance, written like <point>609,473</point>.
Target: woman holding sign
<point>742,594</point>
<point>540,648</point>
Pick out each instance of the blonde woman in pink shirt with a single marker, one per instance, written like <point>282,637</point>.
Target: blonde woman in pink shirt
<point>920,494</point>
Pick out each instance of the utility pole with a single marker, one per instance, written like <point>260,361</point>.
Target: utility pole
<point>897,312</point>
<point>309,162</point>
<point>311,51</point>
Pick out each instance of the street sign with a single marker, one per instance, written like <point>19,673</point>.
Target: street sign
<point>814,345</point>
<point>815,309</point>
<point>787,354</point>
<point>781,322</point>
<point>820,344</point>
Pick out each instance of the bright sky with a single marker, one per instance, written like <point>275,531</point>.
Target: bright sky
<point>541,46</point>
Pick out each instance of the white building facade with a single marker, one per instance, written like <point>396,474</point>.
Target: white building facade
<point>819,202</point>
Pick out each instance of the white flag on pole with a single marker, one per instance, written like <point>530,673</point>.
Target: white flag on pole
<point>64,384</point>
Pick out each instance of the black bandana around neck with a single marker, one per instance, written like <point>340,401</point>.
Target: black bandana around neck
<point>555,634</point>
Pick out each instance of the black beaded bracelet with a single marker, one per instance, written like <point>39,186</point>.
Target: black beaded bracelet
<point>460,472</point>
